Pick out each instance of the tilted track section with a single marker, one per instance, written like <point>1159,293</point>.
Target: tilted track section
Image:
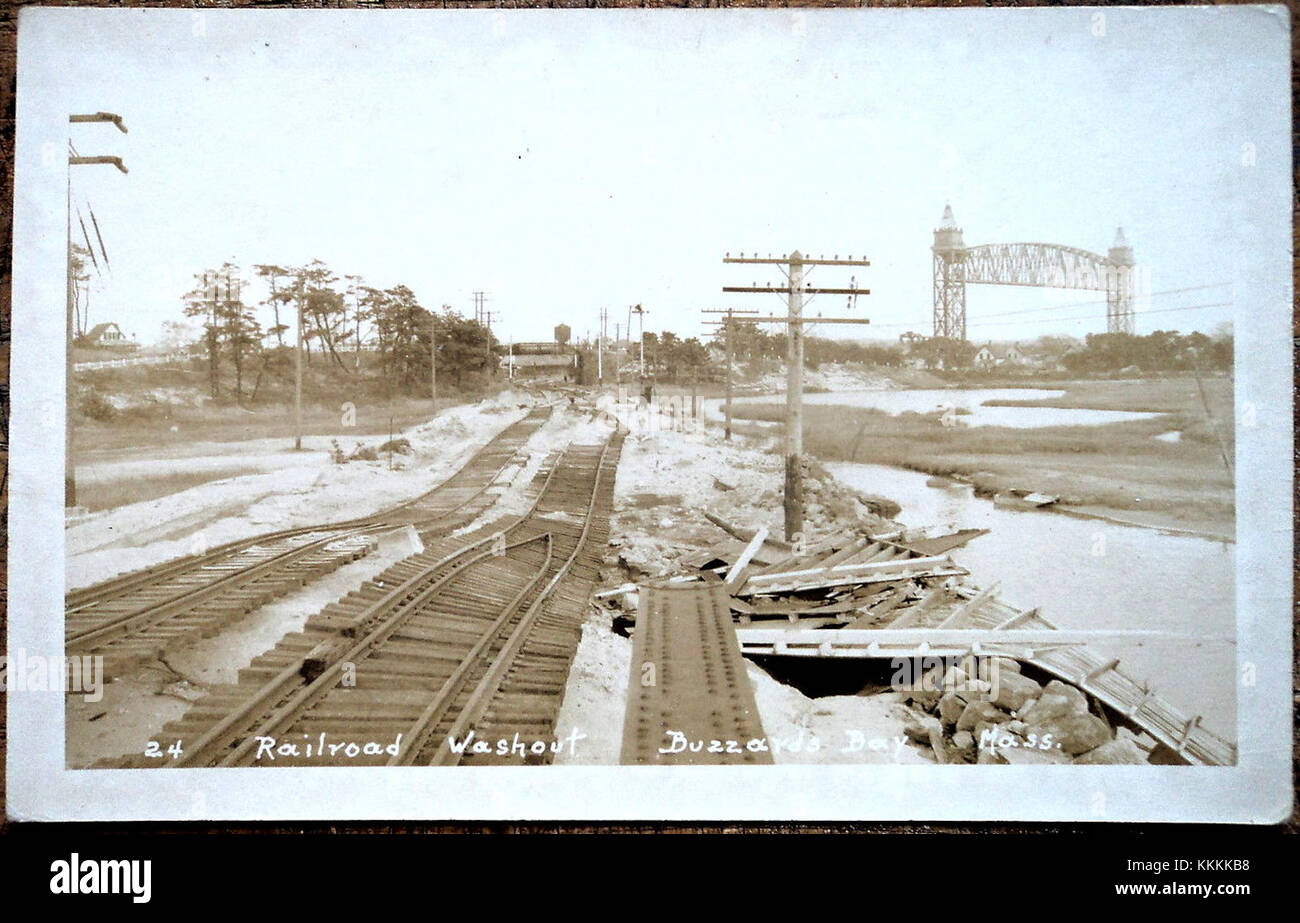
<point>689,699</point>
<point>471,639</point>
<point>139,615</point>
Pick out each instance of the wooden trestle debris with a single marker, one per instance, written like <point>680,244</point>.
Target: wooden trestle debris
<point>854,595</point>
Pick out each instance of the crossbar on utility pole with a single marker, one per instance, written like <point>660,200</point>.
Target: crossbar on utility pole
<point>795,290</point>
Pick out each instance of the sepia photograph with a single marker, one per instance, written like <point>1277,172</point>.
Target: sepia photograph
<point>753,413</point>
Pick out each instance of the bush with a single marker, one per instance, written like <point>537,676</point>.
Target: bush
<point>94,406</point>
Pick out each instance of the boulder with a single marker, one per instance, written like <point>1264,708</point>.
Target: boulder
<point>1121,751</point>
<point>975,712</point>
<point>951,708</point>
<point>920,727</point>
<point>1013,690</point>
<point>955,678</point>
<point>1007,665</point>
<point>1057,701</point>
<point>1074,733</point>
<point>963,740</point>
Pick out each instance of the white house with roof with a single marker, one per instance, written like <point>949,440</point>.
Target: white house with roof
<point>992,356</point>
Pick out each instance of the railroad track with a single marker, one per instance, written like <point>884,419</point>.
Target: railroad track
<point>470,640</point>
<point>139,615</point>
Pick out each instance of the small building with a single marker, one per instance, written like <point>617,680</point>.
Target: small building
<point>991,356</point>
<point>107,336</point>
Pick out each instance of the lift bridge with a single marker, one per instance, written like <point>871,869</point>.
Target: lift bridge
<point>1039,265</point>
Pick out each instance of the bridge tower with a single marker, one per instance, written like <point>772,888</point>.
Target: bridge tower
<point>1119,286</point>
<point>949,279</point>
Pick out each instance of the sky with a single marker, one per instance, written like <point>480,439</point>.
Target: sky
<point>568,161</point>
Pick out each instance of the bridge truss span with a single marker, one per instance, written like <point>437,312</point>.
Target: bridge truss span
<point>1038,265</point>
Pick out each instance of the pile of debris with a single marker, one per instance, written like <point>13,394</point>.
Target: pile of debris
<point>999,715</point>
<point>892,597</point>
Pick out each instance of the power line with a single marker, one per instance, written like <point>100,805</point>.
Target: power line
<point>1052,320</point>
<point>1084,304</point>
<point>1075,304</point>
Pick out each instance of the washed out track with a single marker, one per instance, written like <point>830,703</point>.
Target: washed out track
<point>469,640</point>
<point>137,616</point>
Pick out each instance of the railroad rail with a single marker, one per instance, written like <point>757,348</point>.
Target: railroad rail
<point>137,616</point>
<point>460,647</point>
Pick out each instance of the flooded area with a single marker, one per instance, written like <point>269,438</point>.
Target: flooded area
<point>968,406</point>
<point>1087,574</point>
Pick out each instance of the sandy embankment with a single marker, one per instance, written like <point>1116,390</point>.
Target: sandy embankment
<point>289,489</point>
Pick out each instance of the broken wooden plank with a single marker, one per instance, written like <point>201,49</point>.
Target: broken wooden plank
<point>845,569</point>
<point>962,612</point>
<point>862,579</point>
<point>736,575</point>
<point>743,534</point>
<point>941,544</point>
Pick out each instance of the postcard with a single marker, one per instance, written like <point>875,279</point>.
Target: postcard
<point>744,414</point>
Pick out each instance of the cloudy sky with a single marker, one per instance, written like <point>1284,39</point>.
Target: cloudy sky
<point>568,161</point>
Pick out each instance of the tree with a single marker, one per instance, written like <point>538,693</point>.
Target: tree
<point>324,311</point>
<point>239,328</point>
<point>201,301</point>
<point>280,295</point>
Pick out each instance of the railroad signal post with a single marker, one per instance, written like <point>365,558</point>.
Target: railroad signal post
<point>795,267</point>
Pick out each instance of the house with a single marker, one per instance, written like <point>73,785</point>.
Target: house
<point>107,336</point>
<point>991,356</point>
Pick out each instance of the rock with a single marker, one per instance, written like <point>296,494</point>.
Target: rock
<point>1013,690</point>
<point>1028,704</point>
<point>951,708</point>
<point>1006,664</point>
<point>1057,701</point>
<point>963,740</point>
<point>1122,751</point>
<point>920,727</point>
<point>989,757</point>
<point>955,678</point>
<point>1074,733</point>
<point>975,712</point>
<point>974,689</point>
<point>936,745</point>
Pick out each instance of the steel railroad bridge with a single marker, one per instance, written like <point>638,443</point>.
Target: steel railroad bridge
<point>1029,264</point>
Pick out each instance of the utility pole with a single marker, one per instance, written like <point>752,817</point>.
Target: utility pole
<point>726,336</point>
<point>487,346</point>
<point>433,359</point>
<point>297,377</point>
<point>640,312</point>
<point>69,472</point>
<point>600,349</point>
<point>795,267</point>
